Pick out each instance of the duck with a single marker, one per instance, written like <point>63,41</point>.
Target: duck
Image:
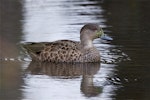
<point>69,50</point>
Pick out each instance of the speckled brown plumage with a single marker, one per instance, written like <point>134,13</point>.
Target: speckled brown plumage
<point>67,50</point>
<point>63,51</point>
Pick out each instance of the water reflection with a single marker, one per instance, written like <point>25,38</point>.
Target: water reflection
<point>46,21</point>
<point>54,20</point>
<point>130,26</point>
<point>10,80</point>
<point>86,71</point>
<point>125,61</point>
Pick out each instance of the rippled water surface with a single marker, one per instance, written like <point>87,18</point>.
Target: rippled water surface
<point>123,73</point>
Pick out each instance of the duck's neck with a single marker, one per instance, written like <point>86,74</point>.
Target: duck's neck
<point>86,42</point>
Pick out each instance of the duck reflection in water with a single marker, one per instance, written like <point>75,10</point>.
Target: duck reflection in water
<point>69,71</point>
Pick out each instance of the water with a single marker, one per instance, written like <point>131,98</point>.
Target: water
<point>122,73</point>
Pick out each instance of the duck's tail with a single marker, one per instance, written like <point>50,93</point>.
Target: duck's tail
<point>33,49</point>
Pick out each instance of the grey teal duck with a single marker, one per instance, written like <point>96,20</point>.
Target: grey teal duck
<point>68,50</point>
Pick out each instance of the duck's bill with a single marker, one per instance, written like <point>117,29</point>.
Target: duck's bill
<point>106,37</point>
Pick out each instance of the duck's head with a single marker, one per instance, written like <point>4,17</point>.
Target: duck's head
<point>92,31</point>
